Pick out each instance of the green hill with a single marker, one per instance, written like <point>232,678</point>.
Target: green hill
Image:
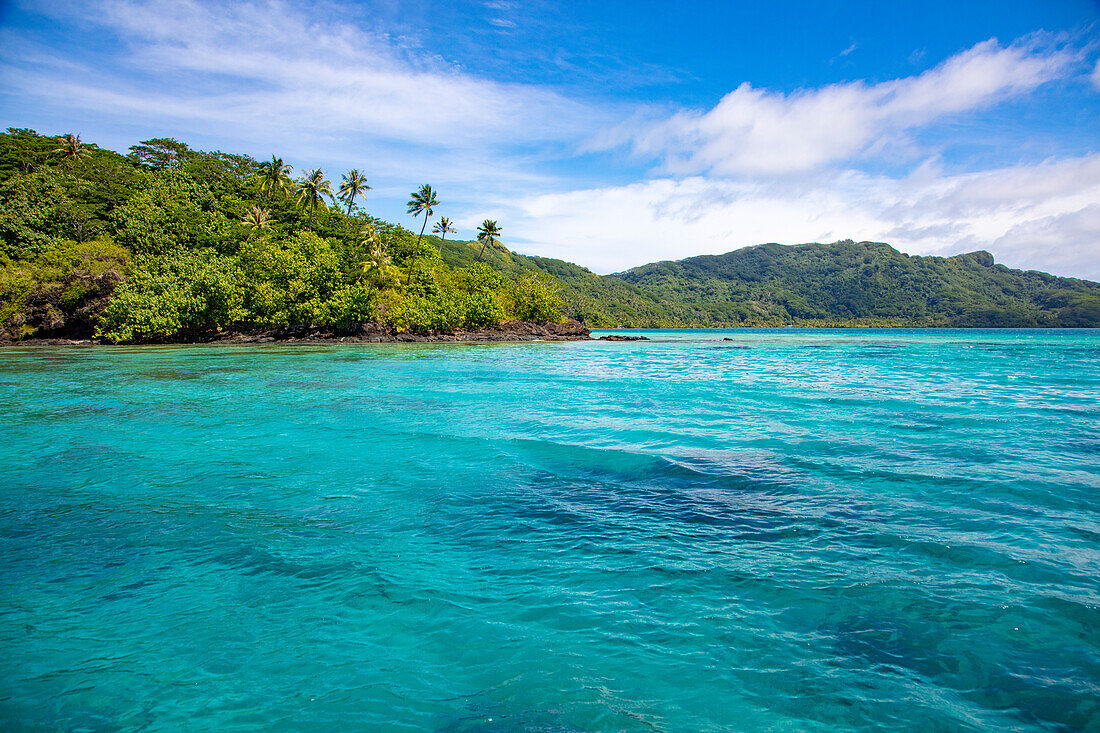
<point>596,301</point>
<point>863,283</point>
<point>170,243</point>
<point>845,283</point>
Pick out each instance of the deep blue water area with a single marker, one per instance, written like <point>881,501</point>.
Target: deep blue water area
<point>792,530</point>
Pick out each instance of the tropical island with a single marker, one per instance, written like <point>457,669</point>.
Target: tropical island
<point>169,243</point>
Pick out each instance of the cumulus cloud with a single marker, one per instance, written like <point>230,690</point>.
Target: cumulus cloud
<point>757,131</point>
<point>1043,216</point>
<point>1066,243</point>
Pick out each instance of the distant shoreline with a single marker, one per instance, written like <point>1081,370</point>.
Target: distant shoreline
<point>507,332</point>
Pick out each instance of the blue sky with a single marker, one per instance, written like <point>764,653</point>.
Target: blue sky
<point>614,134</point>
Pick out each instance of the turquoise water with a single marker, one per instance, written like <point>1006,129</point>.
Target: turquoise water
<point>792,530</point>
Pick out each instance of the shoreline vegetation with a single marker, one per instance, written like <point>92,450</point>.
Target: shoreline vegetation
<point>172,244</point>
<point>168,244</point>
<point>505,332</point>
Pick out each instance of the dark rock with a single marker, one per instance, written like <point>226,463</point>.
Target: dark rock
<point>617,337</point>
<point>358,333</point>
<point>62,311</point>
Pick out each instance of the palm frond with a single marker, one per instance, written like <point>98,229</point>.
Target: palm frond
<point>353,186</point>
<point>257,219</point>
<point>487,234</point>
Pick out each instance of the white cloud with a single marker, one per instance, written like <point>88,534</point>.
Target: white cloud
<point>1096,75</point>
<point>1044,216</point>
<point>1067,244</point>
<point>270,70</point>
<point>313,85</point>
<point>756,131</point>
<point>852,47</point>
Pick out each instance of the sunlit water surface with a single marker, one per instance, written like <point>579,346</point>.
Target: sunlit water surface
<point>791,530</point>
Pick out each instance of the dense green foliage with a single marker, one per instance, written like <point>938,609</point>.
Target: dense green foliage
<point>199,242</point>
<point>840,284</point>
<point>594,300</point>
<point>863,283</point>
<point>170,242</point>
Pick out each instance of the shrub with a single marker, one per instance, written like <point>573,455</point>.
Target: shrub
<point>290,282</point>
<point>441,312</point>
<point>482,303</point>
<point>349,305</point>
<point>536,298</point>
<point>32,213</point>
<point>182,292</point>
<point>482,309</point>
<point>68,265</point>
<point>172,210</point>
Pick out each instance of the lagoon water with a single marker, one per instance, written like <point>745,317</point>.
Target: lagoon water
<point>792,530</point>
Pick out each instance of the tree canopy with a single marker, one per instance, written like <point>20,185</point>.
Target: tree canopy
<point>169,242</point>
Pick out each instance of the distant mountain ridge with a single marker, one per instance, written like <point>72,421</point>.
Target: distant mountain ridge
<point>843,283</point>
<point>866,281</point>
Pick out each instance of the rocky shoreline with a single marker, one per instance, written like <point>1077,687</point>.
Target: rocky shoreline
<point>509,331</point>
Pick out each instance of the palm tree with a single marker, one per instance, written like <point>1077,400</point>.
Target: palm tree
<point>313,188</point>
<point>380,270</point>
<point>274,175</point>
<point>378,267</point>
<point>354,185</point>
<point>257,219</point>
<point>72,150</point>
<point>370,237</point>
<point>487,234</point>
<point>443,228</point>
<point>422,201</point>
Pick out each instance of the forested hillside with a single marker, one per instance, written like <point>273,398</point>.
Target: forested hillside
<point>864,282</point>
<point>169,243</point>
<point>591,299</point>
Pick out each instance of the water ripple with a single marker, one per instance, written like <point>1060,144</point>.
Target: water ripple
<point>793,530</point>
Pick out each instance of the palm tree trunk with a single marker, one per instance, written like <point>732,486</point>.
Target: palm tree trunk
<point>484,244</point>
<point>422,228</point>
<point>416,262</point>
<point>347,229</point>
